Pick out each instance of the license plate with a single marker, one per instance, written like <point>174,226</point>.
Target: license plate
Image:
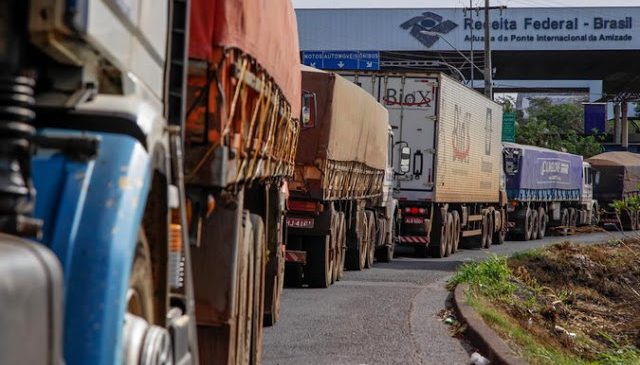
<point>300,222</point>
<point>413,220</point>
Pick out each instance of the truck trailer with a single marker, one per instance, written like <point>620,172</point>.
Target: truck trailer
<point>241,136</point>
<point>338,213</point>
<point>448,162</point>
<point>93,253</point>
<point>618,179</point>
<point>547,188</point>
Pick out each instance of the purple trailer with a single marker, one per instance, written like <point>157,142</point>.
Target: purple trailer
<point>546,187</point>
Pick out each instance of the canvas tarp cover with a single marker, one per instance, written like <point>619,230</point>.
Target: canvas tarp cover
<point>544,175</point>
<point>351,126</point>
<point>266,30</point>
<point>619,175</point>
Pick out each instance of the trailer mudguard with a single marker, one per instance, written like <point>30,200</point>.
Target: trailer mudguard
<point>92,212</point>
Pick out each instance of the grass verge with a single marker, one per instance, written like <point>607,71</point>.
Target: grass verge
<point>564,304</point>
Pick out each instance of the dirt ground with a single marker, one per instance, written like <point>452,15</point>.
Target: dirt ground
<point>583,300</point>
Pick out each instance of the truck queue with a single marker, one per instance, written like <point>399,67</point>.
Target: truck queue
<point>166,168</point>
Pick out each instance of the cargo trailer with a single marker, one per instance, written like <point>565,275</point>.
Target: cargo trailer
<point>448,160</point>
<point>618,179</point>
<point>340,208</point>
<point>547,188</point>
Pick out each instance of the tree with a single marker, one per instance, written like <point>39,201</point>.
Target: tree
<point>558,127</point>
<point>568,116</point>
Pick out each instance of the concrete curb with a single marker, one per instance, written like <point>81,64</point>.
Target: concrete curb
<point>480,335</point>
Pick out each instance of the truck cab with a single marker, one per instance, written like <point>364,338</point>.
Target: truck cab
<point>97,128</point>
<point>590,178</point>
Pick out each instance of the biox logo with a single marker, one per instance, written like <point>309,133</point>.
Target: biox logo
<point>427,27</point>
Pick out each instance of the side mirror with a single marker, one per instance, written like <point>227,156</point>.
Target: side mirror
<point>597,178</point>
<point>405,159</point>
<point>309,109</point>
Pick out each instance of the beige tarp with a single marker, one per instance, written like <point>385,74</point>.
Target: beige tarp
<point>344,155</point>
<point>351,124</point>
<point>619,175</point>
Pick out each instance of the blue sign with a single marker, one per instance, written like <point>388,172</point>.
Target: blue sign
<point>595,117</point>
<point>342,60</point>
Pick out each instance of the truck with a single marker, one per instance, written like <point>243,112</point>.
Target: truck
<point>448,162</point>
<point>93,253</point>
<point>338,215</point>
<point>617,179</point>
<point>547,188</point>
<point>241,134</point>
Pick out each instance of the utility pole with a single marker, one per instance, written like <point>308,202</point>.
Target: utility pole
<point>473,60</point>
<point>488,68</point>
<point>488,87</point>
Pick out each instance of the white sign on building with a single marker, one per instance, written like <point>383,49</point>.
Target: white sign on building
<point>511,29</point>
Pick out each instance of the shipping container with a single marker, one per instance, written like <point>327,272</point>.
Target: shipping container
<point>448,159</point>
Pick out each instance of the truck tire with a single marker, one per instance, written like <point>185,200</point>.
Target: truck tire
<point>334,247</point>
<point>629,220</point>
<point>500,235</point>
<point>335,237</point>
<point>573,217</point>
<point>357,253</point>
<point>595,215</point>
<point>440,236</point>
<point>144,341</point>
<point>542,223</point>
<point>450,235</point>
<point>140,294</point>
<point>371,239</point>
<point>259,270</point>
<point>564,218</point>
<point>487,233</point>
<point>342,246</point>
<point>319,268</point>
<point>536,224</point>
<point>523,223</point>
<point>384,253</point>
<point>244,289</point>
<point>455,242</point>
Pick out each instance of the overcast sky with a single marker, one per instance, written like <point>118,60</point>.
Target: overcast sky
<point>455,3</point>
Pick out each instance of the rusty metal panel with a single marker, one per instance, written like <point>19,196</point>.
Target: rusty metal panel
<point>469,151</point>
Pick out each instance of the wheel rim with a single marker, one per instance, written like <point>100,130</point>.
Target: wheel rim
<point>143,342</point>
<point>543,224</point>
<point>536,225</point>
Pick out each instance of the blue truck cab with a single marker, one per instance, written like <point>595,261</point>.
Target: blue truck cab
<point>91,180</point>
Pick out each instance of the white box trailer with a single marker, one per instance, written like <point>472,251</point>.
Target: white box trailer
<point>448,159</point>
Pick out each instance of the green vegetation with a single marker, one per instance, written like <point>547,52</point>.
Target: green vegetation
<point>545,302</point>
<point>558,127</point>
<point>490,276</point>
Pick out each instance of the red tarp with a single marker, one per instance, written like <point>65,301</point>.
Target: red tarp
<point>264,29</point>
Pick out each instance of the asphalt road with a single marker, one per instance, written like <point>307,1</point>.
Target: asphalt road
<point>384,315</point>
